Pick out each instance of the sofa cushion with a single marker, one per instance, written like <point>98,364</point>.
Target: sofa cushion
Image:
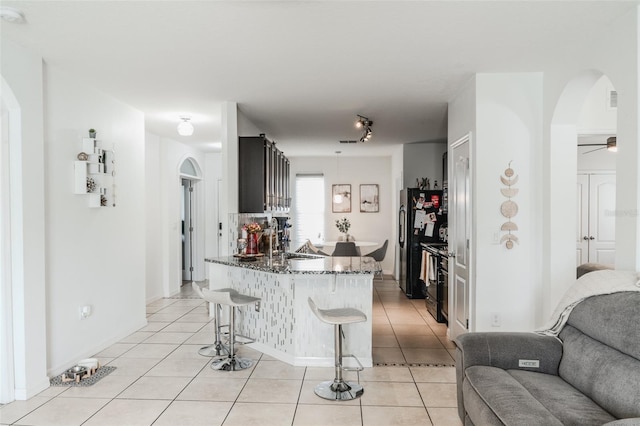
<point>565,402</point>
<point>492,395</point>
<point>611,319</point>
<point>607,376</point>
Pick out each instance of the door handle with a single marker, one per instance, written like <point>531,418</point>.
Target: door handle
<point>585,238</point>
<point>451,254</point>
<point>592,238</point>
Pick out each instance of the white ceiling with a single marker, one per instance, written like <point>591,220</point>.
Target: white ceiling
<point>301,71</point>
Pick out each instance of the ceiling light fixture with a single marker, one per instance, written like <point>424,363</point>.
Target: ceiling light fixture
<point>337,198</point>
<point>365,124</point>
<point>9,14</point>
<point>185,128</point>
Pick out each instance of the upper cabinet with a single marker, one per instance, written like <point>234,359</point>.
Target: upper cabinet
<point>263,176</point>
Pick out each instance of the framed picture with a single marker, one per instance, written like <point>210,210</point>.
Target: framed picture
<point>369,202</point>
<point>341,198</point>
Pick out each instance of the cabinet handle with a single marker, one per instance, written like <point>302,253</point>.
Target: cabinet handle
<point>592,238</point>
<point>585,238</point>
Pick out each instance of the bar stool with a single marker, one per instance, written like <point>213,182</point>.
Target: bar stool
<point>233,299</point>
<point>339,389</point>
<point>218,348</point>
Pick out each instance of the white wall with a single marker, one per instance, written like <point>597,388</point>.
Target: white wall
<point>615,54</point>
<point>503,112</point>
<point>153,222</point>
<point>95,256</point>
<point>355,171</point>
<point>508,129</point>
<point>397,184</point>
<point>596,116</point>
<point>526,127</point>
<point>213,178</point>
<point>171,156</point>
<point>423,160</point>
<point>22,72</point>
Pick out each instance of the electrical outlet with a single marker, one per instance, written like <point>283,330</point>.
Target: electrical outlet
<point>496,321</point>
<point>495,237</point>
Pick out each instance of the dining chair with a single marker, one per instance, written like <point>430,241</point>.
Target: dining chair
<point>346,248</point>
<point>315,250</point>
<point>309,248</point>
<point>378,255</point>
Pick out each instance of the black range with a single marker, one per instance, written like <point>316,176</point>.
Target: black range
<point>437,298</point>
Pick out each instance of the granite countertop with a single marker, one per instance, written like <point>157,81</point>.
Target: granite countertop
<point>297,263</point>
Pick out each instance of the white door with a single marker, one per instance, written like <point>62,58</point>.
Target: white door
<point>460,226</point>
<point>582,221</point>
<point>596,239</point>
<point>602,219</point>
<point>187,230</point>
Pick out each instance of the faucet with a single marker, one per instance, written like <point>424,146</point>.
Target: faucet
<point>273,226</point>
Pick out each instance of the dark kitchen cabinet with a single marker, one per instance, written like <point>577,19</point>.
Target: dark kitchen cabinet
<point>263,176</point>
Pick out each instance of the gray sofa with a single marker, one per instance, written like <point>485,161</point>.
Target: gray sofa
<point>589,376</point>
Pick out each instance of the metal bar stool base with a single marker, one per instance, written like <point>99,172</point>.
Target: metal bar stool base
<point>216,350</point>
<point>228,363</point>
<point>339,391</point>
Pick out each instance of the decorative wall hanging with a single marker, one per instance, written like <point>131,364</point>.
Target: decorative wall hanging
<point>341,198</point>
<point>509,208</point>
<point>369,202</point>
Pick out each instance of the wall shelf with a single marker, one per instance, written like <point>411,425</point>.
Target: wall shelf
<point>97,169</point>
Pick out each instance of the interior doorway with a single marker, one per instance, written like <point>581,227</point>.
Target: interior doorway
<point>460,280</point>
<point>596,175</point>
<point>573,123</point>
<point>187,230</point>
<point>190,178</point>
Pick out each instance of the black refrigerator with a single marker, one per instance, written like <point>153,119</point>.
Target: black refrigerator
<point>420,218</point>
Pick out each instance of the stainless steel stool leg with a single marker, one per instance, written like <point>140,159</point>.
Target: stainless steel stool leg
<point>339,389</point>
<point>231,362</point>
<point>218,349</point>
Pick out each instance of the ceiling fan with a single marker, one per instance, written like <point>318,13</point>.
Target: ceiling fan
<point>611,145</point>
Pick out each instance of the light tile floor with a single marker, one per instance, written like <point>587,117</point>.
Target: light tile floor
<point>161,379</point>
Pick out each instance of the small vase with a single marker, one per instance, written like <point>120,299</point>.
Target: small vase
<point>346,236</point>
<point>252,243</point>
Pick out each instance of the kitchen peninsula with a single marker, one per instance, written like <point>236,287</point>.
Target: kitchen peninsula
<point>283,325</point>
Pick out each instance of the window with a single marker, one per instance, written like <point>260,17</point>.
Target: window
<point>308,222</point>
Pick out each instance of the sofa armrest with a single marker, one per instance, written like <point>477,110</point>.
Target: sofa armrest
<point>506,351</point>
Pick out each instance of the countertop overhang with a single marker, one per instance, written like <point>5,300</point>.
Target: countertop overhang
<point>295,263</point>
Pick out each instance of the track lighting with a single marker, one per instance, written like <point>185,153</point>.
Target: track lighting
<point>185,128</point>
<point>365,124</point>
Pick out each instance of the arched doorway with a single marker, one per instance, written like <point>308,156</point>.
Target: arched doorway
<point>560,242</point>
<point>190,178</point>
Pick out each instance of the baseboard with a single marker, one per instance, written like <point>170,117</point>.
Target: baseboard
<point>24,394</point>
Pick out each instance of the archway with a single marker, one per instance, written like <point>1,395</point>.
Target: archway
<point>190,194</point>
<point>561,217</point>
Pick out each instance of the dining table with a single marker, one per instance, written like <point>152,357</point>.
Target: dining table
<point>359,244</point>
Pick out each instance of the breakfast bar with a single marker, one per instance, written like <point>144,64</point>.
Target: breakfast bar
<point>283,324</point>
